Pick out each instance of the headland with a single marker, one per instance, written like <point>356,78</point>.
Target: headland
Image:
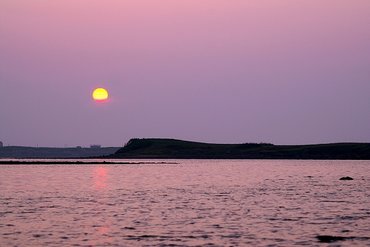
<point>159,148</point>
<point>177,149</point>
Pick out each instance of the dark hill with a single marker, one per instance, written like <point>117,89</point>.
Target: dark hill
<point>178,149</point>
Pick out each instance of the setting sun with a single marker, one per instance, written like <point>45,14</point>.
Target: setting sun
<point>100,94</point>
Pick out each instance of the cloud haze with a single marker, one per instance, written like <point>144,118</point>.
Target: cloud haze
<point>287,72</point>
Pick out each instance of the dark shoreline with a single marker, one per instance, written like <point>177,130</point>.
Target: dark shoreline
<point>165,149</point>
<point>20,152</point>
<point>49,162</point>
<point>178,149</point>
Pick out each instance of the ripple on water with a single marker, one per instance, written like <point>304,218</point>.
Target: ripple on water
<point>235,203</point>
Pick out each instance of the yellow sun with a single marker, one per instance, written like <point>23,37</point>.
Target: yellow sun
<point>100,94</point>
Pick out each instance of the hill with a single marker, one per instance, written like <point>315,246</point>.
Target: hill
<point>178,149</point>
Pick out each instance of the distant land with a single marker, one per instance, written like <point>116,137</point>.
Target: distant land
<point>156,148</point>
<point>20,152</point>
<point>178,149</point>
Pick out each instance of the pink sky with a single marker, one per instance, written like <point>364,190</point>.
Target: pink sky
<point>284,71</point>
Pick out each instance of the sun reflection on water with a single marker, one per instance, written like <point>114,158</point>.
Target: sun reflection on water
<point>100,177</point>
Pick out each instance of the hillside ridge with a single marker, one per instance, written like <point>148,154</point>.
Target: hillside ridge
<point>151,148</point>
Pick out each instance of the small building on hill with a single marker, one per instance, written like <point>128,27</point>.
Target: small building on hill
<point>95,146</point>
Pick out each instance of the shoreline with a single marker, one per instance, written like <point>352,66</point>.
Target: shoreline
<point>34,162</point>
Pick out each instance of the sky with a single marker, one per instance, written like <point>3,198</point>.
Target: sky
<point>220,71</point>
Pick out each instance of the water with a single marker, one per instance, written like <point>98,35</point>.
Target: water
<point>193,203</point>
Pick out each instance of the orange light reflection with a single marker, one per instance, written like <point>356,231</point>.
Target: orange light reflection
<point>100,177</point>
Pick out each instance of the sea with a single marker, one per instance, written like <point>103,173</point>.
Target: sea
<point>187,203</point>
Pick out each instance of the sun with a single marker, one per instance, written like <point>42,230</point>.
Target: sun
<point>100,94</point>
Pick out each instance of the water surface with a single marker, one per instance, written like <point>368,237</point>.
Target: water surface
<point>193,203</point>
